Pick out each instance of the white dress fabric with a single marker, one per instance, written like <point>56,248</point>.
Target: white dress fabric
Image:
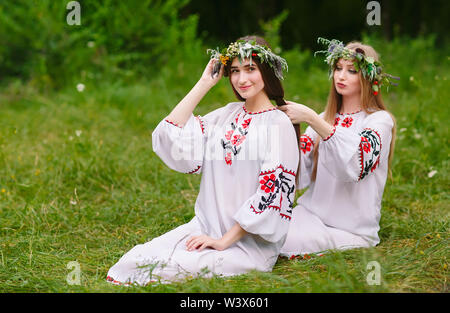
<point>248,162</point>
<point>341,208</point>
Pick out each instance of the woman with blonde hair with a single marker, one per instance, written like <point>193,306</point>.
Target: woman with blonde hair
<point>345,156</point>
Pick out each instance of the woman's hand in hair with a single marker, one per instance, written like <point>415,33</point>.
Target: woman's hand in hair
<point>301,113</point>
<point>297,112</point>
<point>207,77</point>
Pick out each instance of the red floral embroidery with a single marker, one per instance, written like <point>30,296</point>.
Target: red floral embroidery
<point>278,186</point>
<point>233,141</point>
<point>229,134</point>
<point>365,144</point>
<point>246,123</point>
<point>370,151</point>
<point>347,122</point>
<point>305,143</point>
<point>336,121</point>
<point>268,183</point>
<point>228,158</point>
<point>237,140</point>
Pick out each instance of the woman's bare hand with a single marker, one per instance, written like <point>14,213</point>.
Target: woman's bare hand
<point>206,76</point>
<point>201,242</point>
<point>297,112</point>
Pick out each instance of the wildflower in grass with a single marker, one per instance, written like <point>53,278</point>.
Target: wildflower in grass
<point>80,87</point>
<point>432,173</point>
<point>3,190</point>
<point>78,133</point>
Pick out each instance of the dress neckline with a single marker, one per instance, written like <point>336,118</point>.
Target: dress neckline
<point>253,113</point>
<point>356,112</point>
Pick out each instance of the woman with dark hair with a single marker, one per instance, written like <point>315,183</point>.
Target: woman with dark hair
<point>247,153</point>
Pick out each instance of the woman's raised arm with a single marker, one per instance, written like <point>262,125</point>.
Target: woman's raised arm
<point>183,110</point>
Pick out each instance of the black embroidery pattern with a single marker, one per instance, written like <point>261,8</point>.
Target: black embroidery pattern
<point>275,184</point>
<point>369,151</point>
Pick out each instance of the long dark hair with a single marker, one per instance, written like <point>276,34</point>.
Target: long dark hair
<point>272,85</point>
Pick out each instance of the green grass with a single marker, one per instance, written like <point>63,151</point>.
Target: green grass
<point>79,181</point>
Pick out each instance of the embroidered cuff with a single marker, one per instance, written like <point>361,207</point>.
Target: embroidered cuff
<point>201,122</point>
<point>174,124</point>
<point>195,171</point>
<point>332,133</point>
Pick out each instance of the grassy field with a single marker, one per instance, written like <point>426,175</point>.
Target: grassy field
<point>79,181</point>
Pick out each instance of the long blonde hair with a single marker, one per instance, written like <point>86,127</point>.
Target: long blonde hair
<point>370,103</point>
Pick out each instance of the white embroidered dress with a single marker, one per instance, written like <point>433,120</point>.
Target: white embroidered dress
<point>248,163</point>
<point>341,208</point>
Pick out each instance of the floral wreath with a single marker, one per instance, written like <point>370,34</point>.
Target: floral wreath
<point>248,49</point>
<point>371,70</point>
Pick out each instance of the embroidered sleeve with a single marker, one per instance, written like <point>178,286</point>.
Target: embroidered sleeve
<point>268,211</point>
<point>275,184</point>
<point>351,156</point>
<point>180,148</point>
<point>369,151</point>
